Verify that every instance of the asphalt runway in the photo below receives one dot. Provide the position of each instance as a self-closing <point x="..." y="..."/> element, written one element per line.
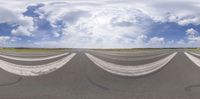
<point x="30" y="54"/>
<point x="136" y="60"/>
<point x="137" y="53"/>
<point x="80" y="78"/>
<point x="32" y="63"/>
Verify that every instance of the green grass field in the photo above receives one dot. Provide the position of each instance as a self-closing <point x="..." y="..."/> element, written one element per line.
<point x="145" y="49"/>
<point x="129" y="49"/>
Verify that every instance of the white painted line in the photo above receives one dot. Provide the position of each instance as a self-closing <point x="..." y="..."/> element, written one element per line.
<point x="33" y="59"/>
<point x="193" y="58"/>
<point x="35" y="70"/>
<point x="131" y="70"/>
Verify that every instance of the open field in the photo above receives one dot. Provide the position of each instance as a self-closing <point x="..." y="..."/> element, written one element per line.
<point x="101" y="74"/>
<point x="140" y="49"/>
<point x="129" y="49"/>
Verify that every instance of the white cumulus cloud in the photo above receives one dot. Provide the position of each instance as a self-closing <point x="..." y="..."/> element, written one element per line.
<point x="4" y="38"/>
<point x="14" y="17"/>
<point x="156" y="42"/>
<point x="102" y="26"/>
<point x="102" y="23"/>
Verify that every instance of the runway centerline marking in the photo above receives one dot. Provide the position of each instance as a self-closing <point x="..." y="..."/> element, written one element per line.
<point x="137" y="70"/>
<point x="25" y="70"/>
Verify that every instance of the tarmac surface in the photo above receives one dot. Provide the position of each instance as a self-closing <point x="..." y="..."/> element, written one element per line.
<point x="80" y="78"/>
<point x="32" y="63"/>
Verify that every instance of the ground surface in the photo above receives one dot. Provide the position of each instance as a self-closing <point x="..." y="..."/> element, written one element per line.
<point x="80" y="78"/>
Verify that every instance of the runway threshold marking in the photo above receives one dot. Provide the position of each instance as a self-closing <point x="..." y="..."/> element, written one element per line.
<point x="193" y="58"/>
<point x="33" y="59"/>
<point x="137" y="70"/>
<point x="37" y="70"/>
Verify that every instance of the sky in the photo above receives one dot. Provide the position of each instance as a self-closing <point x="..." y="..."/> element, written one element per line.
<point x="100" y="23"/>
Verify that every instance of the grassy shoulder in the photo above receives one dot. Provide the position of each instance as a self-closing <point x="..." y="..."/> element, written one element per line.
<point x="146" y="49"/>
<point x="192" y="49"/>
<point x="129" y="49"/>
<point x="31" y="49"/>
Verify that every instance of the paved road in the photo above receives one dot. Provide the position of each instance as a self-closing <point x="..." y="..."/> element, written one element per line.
<point x="82" y="79"/>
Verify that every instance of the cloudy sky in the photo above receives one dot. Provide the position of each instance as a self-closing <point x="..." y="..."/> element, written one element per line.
<point x="100" y="23"/>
